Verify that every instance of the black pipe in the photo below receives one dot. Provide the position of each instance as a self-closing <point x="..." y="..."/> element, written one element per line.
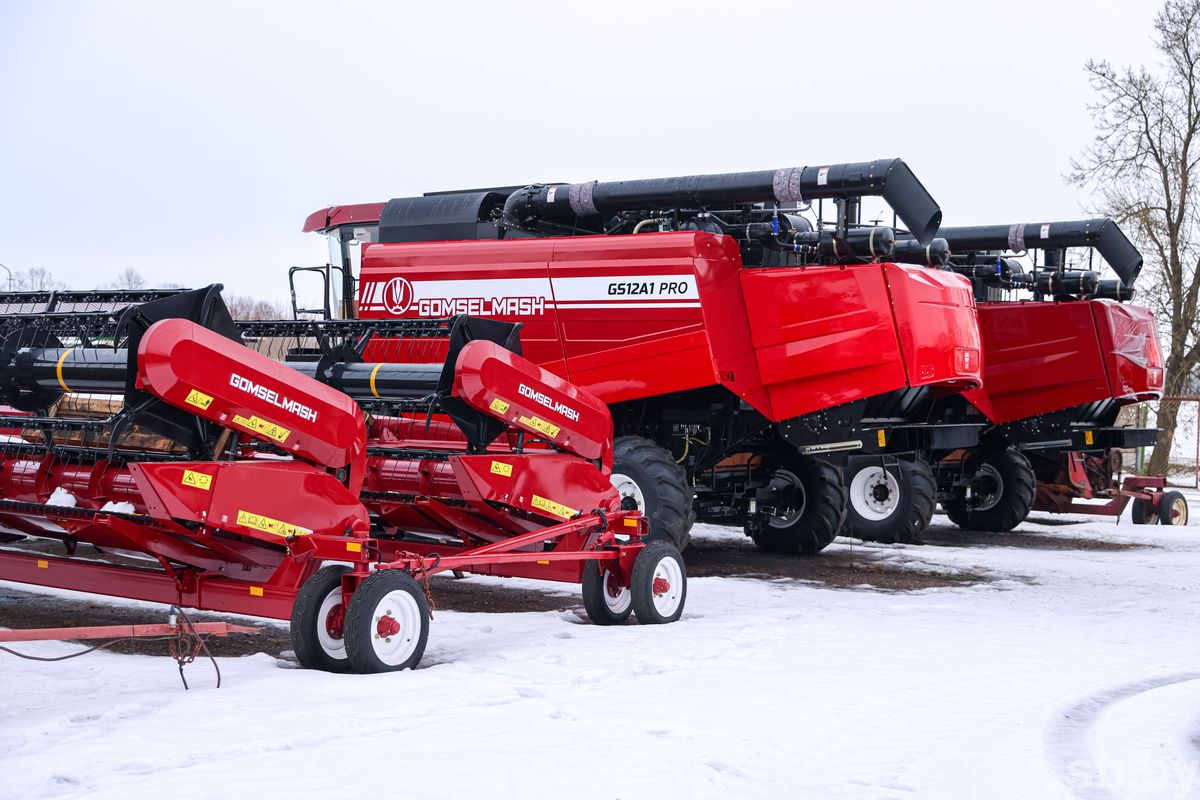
<point x="910" y="251"/>
<point x="889" y="178"/>
<point x="1103" y="234"/>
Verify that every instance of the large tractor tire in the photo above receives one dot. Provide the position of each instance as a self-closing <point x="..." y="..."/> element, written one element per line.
<point x="1003" y="486"/>
<point x="814" y="513"/>
<point x="889" y="503"/>
<point x="647" y="477"/>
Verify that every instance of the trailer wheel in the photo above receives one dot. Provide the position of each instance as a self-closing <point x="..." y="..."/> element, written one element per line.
<point x="318" y="622"/>
<point x="646" y="474"/>
<point x="387" y="623"/>
<point x="1172" y="509"/>
<point x="605" y="601"/>
<point x="1003" y="485"/>
<point x="658" y="585"/>
<point x="889" y="504"/>
<point x="813" y="518"/>
<point x="1140" y="514"/>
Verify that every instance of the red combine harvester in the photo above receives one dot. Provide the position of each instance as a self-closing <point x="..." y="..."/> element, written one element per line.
<point x="1057" y="370"/>
<point x="750" y="352"/>
<point x="176" y="464"/>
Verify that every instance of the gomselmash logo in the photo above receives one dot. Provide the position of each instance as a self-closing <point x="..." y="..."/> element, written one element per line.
<point x="271" y="396"/>
<point x="549" y="402"/>
<point x="398" y="297"/>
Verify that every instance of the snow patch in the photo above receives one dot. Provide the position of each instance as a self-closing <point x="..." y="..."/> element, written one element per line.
<point x="61" y="497"/>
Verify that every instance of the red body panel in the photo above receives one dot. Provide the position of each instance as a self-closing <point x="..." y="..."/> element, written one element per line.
<point x="638" y="316"/>
<point x="1046" y="356"/>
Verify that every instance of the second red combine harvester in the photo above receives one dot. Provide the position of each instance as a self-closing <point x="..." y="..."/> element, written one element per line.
<point x="763" y="366"/>
<point x="172" y="463"/>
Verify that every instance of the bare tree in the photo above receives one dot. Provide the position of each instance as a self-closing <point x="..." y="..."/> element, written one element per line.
<point x="129" y="278"/>
<point x="242" y="307"/>
<point x="35" y="280"/>
<point x="1143" y="164"/>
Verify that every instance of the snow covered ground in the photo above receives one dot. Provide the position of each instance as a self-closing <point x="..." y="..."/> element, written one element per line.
<point x="1069" y="674"/>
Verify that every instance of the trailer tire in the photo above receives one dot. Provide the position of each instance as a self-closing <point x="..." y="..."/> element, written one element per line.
<point x="604" y="602"/>
<point x="1170" y="504"/>
<point x="387" y="623"/>
<point x="1010" y="472"/>
<point x="647" y="473"/>
<point x="316" y="620"/>
<point x="821" y="519"/>
<point x="1139" y="514"/>
<point x="658" y="583"/>
<point x="890" y="503"/>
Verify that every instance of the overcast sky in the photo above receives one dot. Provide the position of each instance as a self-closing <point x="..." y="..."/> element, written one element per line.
<point x="190" y="141"/>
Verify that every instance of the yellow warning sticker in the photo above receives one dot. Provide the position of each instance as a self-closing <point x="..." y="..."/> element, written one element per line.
<point x="199" y="480"/>
<point x="256" y="591"/>
<point x="267" y="525"/>
<point x="500" y="468"/>
<point x="882" y="436"/>
<point x="353" y="547"/>
<point x="557" y="509"/>
<point x="1088" y="437"/>
<point x="499" y="406"/>
<point x="198" y="399"/>
<point x="268" y="429"/>
<point x="43" y="564"/>
<point x="538" y="424"/>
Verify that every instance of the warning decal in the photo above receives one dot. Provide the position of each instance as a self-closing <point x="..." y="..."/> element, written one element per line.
<point x="268" y="429"/>
<point x="539" y="424"/>
<point x="198" y="399"/>
<point x="200" y="480"/>
<point x="500" y="468"/>
<point x="557" y="509"/>
<point x="267" y="525"/>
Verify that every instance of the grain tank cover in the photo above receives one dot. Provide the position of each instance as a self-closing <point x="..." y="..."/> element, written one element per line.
<point x="443" y="217"/>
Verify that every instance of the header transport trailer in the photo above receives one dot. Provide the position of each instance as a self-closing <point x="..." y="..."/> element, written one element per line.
<point x="155" y="455"/>
<point x="1063" y="351"/>
<point x="764" y="365"/>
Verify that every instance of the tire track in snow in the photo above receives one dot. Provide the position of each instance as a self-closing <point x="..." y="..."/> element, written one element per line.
<point x="1068" y="739"/>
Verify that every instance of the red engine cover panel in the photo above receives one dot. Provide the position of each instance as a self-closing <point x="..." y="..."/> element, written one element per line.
<point x="1038" y="357"/>
<point x="1129" y="340"/>
<point x="210" y="376"/>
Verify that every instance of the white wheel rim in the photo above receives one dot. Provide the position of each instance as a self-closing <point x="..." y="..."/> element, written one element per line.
<point x="401" y="608"/>
<point x="667" y="601"/>
<point x="627" y="487"/>
<point x="990" y="500"/>
<point x="617" y="602"/>
<point x="1179" y="505"/>
<point x="334" y="647"/>
<point x="864" y="487"/>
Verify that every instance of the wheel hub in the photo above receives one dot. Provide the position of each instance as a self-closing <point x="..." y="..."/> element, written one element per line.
<point x="874" y="493"/>
<point x="661" y="586"/>
<point x="335" y="621"/>
<point x="387" y="626"/>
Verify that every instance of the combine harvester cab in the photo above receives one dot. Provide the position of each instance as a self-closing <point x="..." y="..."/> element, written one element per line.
<point x="762" y="360"/>
<point x="1058" y="368"/>
<point x="176" y="464"/>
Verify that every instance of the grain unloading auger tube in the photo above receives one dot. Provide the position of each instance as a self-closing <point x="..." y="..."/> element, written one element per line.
<point x="232" y="477"/>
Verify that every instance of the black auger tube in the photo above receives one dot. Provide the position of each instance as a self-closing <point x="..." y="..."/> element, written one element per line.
<point x="1103" y="234"/>
<point x="888" y="178"/>
<point x="370" y="380"/>
<point x="84" y="370"/>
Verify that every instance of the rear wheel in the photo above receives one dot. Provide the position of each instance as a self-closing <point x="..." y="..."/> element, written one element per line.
<point x="318" y="622"/>
<point x="891" y="503"/>
<point x="387" y="623"/>
<point x="808" y="512"/>
<point x="648" y="479"/>
<point x="1173" y="509"/>
<point x="1001" y="493"/>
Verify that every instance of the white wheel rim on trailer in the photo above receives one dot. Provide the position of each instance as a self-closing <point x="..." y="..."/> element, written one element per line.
<point x="333" y="647"/>
<point x="617" y="603"/>
<point x="862" y="488"/>
<point x="668" y="602"/>
<point x="401" y="607"/>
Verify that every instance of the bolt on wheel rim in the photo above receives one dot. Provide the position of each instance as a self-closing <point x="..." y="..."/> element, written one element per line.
<point x="395" y="627"/>
<point x="874" y="493"/>
<point x="627" y="487"/>
<point x="668" y="577"/>
<point x="330" y="618"/>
